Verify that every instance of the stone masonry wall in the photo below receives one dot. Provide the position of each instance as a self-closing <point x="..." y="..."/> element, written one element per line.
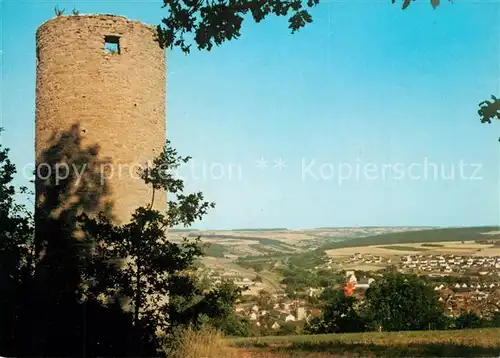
<point x="117" y="99"/>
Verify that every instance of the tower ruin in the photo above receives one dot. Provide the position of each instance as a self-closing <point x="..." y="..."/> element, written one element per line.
<point x="102" y="78"/>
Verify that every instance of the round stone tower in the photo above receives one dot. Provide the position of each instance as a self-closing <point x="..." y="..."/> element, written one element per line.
<point x="101" y="81"/>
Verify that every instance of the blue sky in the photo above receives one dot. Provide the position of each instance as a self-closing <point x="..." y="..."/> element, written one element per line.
<point x="365" y="85"/>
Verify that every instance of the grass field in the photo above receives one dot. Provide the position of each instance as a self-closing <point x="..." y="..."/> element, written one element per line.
<point x="462" y="343"/>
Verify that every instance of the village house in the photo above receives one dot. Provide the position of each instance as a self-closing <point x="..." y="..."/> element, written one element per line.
<point x="364" y="283"/>
<point x="290" y="318"/>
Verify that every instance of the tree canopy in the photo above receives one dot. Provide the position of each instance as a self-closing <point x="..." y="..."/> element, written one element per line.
<point x="339" y="315"/>
<point x="81" y="278"/>
<point x="206" y="24"/>
<point x="209" y="23"/>
<point x="403" y="302"/>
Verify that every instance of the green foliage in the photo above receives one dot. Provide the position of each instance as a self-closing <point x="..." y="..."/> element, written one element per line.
<point x="449" y="279"/>
<point x="186" y="209"/>
<point x="261" y="262"/>
<point x="396" y="302"/>
<point x="299" y="279"/>
<point x="151" y="264"/>
<point x="289" y="329"/>
<point x="308" y="259"/>
<point x="469" y="320"/>
<point x="489" y="110"/>
<point x="93" y="281"/>
<point x="16" y="250"/>
<point x="403" y="302"/>
<point x="233" y="325"/>
<point x="257" y="266"/>
<point x="16" y="227"/>
<point x="493" y="321"/>
<point x="339" y="316"/>
<point x="214" y="250"/>
<point x="264" y="300"/>
<point x="209" y="24"/>
<point x="213" y="23"/>
<point x="189" y="307"/>
<point x="329" y="294"/>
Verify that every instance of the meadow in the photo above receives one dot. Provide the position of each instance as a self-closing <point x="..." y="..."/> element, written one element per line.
<point x="460" y="343"/>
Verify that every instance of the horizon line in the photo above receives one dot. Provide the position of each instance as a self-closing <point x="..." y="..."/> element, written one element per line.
<point x="341" y="227"/>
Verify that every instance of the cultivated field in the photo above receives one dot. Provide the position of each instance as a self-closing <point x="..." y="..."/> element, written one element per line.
<point x="227" y="249"/>
<point x="269" y="281"/>
<point x="245" y="242"/>
<point x="468" y="248"/>
<point x="339" y="242"/>
<point x="462" y="343"/>
<point x="421" y="236"/>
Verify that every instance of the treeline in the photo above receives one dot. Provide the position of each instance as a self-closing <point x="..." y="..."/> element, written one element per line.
<point x="409" y="237"/>
<point x="261" y="262"/>
<point x="299" y="280"/>
<point x="308" y="260"/>
<point x="495" y="241"/>
<point x="215" y="250"/>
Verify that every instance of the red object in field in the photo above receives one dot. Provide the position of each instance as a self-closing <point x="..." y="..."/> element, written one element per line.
<point x="349" y="288"/>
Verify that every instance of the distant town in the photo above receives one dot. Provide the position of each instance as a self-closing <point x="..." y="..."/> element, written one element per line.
<point x="283" y="288"/>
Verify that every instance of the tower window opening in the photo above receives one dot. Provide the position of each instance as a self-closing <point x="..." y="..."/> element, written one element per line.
<point x="112" y="44"/>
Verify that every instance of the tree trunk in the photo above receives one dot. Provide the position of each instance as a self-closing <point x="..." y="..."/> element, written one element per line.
<point x="137" y="303"/>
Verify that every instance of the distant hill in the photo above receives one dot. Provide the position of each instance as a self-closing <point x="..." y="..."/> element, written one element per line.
<point x="409" y="237"/>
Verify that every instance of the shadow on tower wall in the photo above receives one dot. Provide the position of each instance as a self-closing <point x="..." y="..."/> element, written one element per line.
<point x="59" y="316"/>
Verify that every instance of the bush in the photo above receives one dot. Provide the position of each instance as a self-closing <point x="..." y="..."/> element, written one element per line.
<point x="339" y="316"/>
<point x="468" y="320"/>
<point x="403" y="303"/>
